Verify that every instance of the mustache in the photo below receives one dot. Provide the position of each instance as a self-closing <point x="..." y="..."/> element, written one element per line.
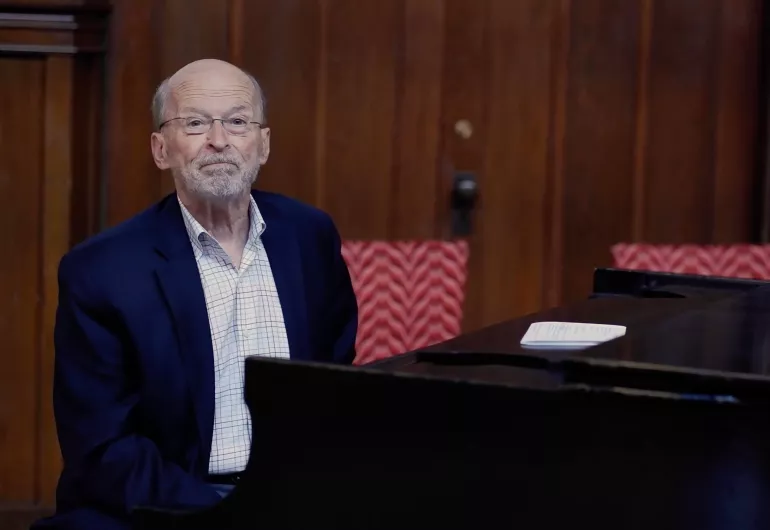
<point x="216" y="158"/>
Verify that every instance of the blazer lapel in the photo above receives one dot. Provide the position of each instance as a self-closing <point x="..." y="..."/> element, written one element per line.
<point x="283" y="251"/>
<point x="181" y="285"/>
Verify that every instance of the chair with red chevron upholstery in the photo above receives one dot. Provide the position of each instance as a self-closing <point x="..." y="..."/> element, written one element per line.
<point x="732" y="261"/>
<point x="410" y="294"/>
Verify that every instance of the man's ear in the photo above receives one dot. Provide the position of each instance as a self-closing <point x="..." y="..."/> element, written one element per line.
<point x="158" y="147"/>
<point x="264" y="152"/>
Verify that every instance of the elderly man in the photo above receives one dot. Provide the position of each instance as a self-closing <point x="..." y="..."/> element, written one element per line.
<point x="157" y="315"/>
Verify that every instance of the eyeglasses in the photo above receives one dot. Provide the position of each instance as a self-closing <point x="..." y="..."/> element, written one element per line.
<point x="197" y="125"/>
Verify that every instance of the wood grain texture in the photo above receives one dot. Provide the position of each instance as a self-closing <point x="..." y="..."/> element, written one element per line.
<point x="418" y="206"/>
<point x="22" y="153"/>
<point x="513" y="179"/>
<point x="50" y="178"/>
<point x="360" y="100"/>
<point x="291" y="79"/>
<point x="55" y="242"/>
<point x="599" y="136"/>
<point x="682" y="118"/>
<point x="553" y="212"/>
<point x="132" y="179"/>
<point x="89" y="186"/>
<point x="642" y="115"/>
<point x="737" y="123"/>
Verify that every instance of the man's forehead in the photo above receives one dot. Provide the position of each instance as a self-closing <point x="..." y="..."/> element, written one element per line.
<point x="213" y="106"/>
<point x="212" y="87"/>
<point x="191" y="107"/>
<point x="207" y="99"/>
<point x="210" y="72"/>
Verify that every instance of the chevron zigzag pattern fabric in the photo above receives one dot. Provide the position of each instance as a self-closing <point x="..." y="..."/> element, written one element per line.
<point x="410" y="294"/>
<point x="731" y="261"/>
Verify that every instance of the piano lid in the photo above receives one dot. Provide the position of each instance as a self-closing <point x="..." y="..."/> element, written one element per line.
<point x="710" y="343"/>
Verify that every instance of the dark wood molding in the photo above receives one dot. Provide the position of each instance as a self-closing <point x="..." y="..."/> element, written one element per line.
<point x="52" y="33"/>
<point x="71" y="6"/>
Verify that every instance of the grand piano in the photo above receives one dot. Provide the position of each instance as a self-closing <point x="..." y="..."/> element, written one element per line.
<point x="665" y="427"/>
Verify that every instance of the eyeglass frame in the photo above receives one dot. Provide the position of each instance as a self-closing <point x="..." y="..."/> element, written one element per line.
<point x="260" y="125"/>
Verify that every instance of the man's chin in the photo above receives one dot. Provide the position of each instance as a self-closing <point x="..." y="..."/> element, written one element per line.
<point x="222" y="194"/>
<point x="220" y="187"/>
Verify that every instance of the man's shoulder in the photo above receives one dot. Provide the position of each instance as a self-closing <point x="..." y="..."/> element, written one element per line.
<point x="117" y="245"/>
<point x="276" y="205"/>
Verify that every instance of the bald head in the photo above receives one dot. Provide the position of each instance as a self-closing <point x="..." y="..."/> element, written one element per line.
<point x="215" y="75"/>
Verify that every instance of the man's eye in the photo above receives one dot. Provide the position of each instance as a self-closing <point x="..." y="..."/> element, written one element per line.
<point x="195" y="123"/>
<point x="238" y="121"/>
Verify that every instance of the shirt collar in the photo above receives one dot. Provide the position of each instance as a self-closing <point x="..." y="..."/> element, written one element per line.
<point x="198" y="234"/>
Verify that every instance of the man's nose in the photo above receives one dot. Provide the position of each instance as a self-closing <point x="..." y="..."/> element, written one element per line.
<point x="218" y="137"/>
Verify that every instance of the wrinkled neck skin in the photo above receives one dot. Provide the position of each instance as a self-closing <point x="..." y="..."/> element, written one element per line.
<point x="226" y="219"/>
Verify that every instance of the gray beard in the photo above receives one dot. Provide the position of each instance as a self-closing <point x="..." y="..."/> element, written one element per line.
<point x="220" y="184"/>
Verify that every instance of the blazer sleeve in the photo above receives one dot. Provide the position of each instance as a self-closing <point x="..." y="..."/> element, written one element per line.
<point x="95" y="397"/>
<point x="343" y="304"/>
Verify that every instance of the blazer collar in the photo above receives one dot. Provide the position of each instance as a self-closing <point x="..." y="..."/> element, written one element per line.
<point x="181" y="286"/>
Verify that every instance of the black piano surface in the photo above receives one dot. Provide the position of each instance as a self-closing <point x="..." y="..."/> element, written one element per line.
<point x="665" y="427"/>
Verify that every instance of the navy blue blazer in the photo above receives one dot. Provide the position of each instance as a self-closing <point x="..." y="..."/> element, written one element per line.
<point x="134" y="371"/>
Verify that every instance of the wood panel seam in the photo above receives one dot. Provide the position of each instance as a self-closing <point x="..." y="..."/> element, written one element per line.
<point x="716" y="113"/>
<point x="320" y="107"/>
<point x="642" y="99"/>
<point x="235" y="31"/>
<point x="559" y="83"/>
<point x="39" y="316"/>
<point x="399" y="44"/>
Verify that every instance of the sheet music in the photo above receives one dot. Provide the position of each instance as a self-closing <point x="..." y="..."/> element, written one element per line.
<point x="569" y="334"/>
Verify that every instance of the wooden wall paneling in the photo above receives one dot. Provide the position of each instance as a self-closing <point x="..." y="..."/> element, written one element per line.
<point x="283" y="45"/>
<point x="602" y="83"/>
<point x="56" y="188"/>
<point x="132" y="179"/>
<point x="50" y="67"/>
<point x="362" y="44"/>
<point x="642" y="118"/>
<point x="235" y="30"/>
<point x="511" y="221"/>
<point x="466" y="56"/>
<point x="553" y="210"/>
<point x="679" y="177"/>
<point x="188" y="30"/>
<point x="21" y="184"/>
<point x="736" y="168"/>
<point x="762" y="201"/>
<point x="87" y="161"/>
<point x="419" y="202"/>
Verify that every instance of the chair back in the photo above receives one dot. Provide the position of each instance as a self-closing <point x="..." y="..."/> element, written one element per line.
<point x="731" y="261"/>
<point x="410" y="294"/>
